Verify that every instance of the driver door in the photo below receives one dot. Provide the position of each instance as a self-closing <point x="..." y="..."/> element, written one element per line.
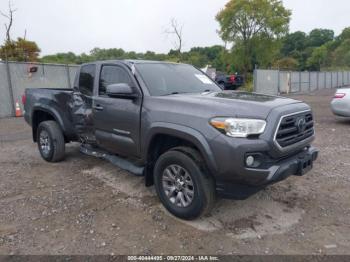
<point x="117" y="120"/>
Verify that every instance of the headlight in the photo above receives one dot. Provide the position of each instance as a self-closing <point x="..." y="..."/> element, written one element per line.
<point x="239" y="127"/>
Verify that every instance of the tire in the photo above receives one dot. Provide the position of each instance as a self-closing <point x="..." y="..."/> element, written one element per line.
<point x="50" y="141"/>
<point x="202" y="198"/>
<point x="222" y="85"/>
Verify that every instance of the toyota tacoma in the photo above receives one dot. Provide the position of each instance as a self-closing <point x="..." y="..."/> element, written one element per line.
<point x="176" y="127"/>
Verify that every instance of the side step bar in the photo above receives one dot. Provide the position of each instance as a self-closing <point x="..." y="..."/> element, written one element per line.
<point x="114" y="159"/>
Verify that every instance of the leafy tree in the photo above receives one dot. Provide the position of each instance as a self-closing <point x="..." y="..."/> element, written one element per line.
<point x="294" y="51"/>
<point x="209" y="52"/>
<point x="345" y="34"/>
<point x="341" y="55"/>
<point x="202" y="56"/>
<point x="318" y="37"/>
<point x="317" y="58"/>
<point x="61" y="58"/>
<point x="302" y="47"/>
<point x="131" y="55"/>
<point x="286" y="63"/>
<point x="149" y="55"/>
<point x="107" y="54"/>
<point x="294" y="43"/>
<point x="266" y="50"/>
<point x="20" y="50"/>
<point x="244" y="21"/>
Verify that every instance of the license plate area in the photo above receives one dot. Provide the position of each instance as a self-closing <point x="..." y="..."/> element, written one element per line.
<point x="305" y="164"/>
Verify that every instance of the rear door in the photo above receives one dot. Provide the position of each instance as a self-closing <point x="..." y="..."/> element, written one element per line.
<point x="117" y="120"/>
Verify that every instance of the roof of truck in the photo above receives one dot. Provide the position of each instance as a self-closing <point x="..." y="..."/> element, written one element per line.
<point x="131" y="61"/>
<point x="136" y="61"/>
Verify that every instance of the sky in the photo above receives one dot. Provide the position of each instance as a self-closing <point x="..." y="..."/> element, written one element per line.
<point x="139" y="25"/>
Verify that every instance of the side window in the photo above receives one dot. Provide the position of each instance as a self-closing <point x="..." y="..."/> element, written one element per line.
<point x="112" y="75"/>
<point x="86" y="79"/>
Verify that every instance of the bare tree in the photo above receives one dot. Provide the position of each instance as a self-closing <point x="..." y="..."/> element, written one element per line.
<point x="8" y="25"/>
<point x="176" y="29"/>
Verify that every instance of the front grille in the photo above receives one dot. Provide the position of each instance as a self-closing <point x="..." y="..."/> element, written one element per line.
<point x="295" y="128"/>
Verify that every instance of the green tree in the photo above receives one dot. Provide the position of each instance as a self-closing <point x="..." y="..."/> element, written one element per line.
<point x="294" y="46"/>
<point x="301" y="47"/>
<point x="20" y="50"/>
<point x="319" y="37"/>
<point x="195" y="58"/>
<point x="107" y="54"/>
<point x="286" y="63"/>
<point x="61" y="58"/>
<point x="345" y="34"/>
<point x="294" y="43"/>
<point x="317" y="58"/>
<point x="265" y="50"/>
<point x="244" y="21"/>
<point x="202" y="56"/>
<point x="341" y="55"/>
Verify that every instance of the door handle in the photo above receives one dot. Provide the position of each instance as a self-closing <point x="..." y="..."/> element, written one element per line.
<point x="98" y="107"/>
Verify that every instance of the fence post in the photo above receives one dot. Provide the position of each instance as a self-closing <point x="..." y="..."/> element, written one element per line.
<point x="309" y="81"/>
<point x="9" y="82"/>
<point x="331" y="80"/>
<point x="289" y="83"/>
<point x="299" y="81"/>
<point x="254" y="80"/>
<point x="68" y="77"/>
<point x="317" y="80"/>
<point x="337" y="79"/>
<point x="279" y="83"/>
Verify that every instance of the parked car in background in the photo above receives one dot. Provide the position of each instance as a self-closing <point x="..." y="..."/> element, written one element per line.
<point x="229" y="82"/>
<point x="341" y="102"/>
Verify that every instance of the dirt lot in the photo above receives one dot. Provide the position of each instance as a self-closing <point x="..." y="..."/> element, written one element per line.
<point x="87" y="206"/>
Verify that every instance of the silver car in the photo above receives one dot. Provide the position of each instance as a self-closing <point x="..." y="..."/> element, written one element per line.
<point x="341" y="102"/>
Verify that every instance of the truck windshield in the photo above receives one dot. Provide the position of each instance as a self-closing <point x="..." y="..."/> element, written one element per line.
<point x="167" y="79"/>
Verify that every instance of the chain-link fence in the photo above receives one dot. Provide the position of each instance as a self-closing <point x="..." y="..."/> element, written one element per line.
<point x="15" y="77"/>
<point x="276" y="82"/>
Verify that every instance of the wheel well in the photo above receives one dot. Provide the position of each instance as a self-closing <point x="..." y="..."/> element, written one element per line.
<point x="38" y="117"/>
<point x="159" y="145"/>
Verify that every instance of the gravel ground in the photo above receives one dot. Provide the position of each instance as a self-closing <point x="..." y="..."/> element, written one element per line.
<point x="87" y="206"/>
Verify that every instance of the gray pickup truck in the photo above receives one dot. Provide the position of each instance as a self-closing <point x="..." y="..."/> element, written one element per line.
<point x="175" y="126"/>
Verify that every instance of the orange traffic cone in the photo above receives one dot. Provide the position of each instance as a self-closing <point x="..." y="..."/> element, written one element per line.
<point x="18" y="110"/>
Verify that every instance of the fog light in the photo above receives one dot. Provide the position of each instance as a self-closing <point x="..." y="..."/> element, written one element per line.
<point x="249" y="160"/>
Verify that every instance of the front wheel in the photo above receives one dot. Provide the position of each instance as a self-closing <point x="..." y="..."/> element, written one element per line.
<point x="182" y="184"/>
<point x="50" y="141"/>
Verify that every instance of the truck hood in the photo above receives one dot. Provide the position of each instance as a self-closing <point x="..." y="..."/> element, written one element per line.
<point x="230" y="103"/>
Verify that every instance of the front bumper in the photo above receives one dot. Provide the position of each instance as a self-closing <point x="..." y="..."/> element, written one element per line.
<point x="298" y="164"/>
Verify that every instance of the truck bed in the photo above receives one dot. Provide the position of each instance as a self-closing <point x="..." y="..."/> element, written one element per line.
<point x="57" y="101"/>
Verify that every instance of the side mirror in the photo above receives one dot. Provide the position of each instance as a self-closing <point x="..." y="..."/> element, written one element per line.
<point x="121" y="90"/>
